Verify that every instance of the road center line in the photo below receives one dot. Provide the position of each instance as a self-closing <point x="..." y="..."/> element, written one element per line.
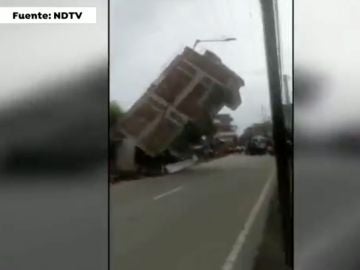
<point x="168" y="193"/>
<point x="240" y="240"/>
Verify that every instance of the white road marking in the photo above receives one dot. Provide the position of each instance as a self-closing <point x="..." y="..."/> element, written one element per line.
<point x="168" y="193"/>
<point x="240" y="240"/>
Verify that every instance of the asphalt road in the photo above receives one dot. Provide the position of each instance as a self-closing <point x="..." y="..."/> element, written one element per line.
<point x="327" y="215"/>
<point x="188" y="220"/>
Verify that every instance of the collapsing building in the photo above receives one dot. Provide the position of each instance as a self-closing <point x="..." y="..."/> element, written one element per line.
<point x="193" y="87"/>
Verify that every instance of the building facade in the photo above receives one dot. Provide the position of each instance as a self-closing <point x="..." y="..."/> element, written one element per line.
<point x="193" y="87"/>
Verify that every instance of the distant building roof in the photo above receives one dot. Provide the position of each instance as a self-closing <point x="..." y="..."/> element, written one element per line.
<point x="224" y="118"/>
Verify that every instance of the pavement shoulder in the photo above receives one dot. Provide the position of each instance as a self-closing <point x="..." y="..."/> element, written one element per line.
<point x="271" y="250"/>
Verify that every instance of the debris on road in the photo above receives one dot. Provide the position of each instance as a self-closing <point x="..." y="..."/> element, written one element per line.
<point x="178" y="166"/>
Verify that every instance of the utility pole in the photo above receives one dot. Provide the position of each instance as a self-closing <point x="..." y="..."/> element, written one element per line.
<point x="279" y="130"/>
<point x="286" y="89"/>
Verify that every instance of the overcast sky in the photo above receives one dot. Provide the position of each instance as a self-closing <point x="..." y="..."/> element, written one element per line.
<point x="146" y="35"/>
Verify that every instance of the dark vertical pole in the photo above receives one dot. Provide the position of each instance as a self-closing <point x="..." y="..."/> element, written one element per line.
<point x="286" y="89"/>
<point x="279" y="131"/>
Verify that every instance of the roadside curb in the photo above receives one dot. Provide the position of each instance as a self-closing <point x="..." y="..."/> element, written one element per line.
<point x="246" y="246"/>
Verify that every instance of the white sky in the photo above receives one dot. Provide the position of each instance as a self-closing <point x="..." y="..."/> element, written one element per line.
<point x="146" y="35"/>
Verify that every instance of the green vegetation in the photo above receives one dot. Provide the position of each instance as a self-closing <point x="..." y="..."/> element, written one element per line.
<point x="116" y="112"/>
